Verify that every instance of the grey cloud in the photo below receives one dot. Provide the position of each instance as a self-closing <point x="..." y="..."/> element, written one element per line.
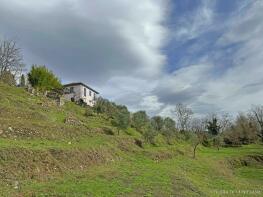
<point x="80" y="41"/>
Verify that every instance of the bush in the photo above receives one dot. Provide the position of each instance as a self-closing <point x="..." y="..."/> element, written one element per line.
<point x="89" y="112"/>
<point x="150" y="134"/>
<point x="43" y="79"/>
<point x="139" y="120"/>
<point x="8" y="78"/>
<point x="108" y="131"/>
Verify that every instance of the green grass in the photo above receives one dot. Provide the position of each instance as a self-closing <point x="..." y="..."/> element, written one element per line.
<point x="48" y="157"/>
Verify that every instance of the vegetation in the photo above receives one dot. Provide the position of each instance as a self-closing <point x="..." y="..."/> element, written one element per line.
<point x="47" y="150"/>
<point x="72" y="150"/>
<point x="11" y="64"/>
<point x="43" y="79"/>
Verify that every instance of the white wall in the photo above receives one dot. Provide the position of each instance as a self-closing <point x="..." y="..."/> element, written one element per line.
<point x="79" y="94"/>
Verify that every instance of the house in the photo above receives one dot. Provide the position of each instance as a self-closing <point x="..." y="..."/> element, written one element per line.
<point x="80" y="92"/>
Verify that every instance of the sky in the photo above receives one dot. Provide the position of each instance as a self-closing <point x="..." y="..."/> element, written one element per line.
<point x="150" y="54"/>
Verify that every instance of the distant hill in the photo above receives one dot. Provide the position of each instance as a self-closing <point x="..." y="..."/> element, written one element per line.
<point x="47" y="150"/>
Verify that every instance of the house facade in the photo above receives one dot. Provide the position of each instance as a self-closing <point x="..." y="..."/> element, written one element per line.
<point x="80" y="92"/>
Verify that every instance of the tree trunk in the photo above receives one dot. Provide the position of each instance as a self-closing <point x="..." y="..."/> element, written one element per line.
<point x="195" y="149"/>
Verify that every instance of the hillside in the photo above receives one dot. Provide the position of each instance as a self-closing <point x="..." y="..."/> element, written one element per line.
<point x="46" y="150"/>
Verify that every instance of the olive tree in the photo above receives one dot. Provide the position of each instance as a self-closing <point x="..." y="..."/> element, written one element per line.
<point x="139" y="120"/>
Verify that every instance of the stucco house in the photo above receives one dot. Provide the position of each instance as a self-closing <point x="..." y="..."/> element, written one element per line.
<point x="80" y="91"/>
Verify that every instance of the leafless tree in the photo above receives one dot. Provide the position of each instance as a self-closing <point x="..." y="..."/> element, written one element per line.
<point x="183" y="114"/>
<point x="257" y="112"/>
<point x="10" y="58"/>
<point x="198" y="125"/>
<point x="225" y="122"/>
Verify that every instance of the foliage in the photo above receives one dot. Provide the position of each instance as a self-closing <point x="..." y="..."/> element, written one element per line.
<point x="139" y="120"/>
<point x="168" y="129"/>
<point x="22" y="81"/>
<point x="243" y="131"/>
<point x="121" y="118"/>
<point x="213" y="126"/>
<point x="150" y="133"/>
<point x="157" y="123"/>
<point x="43" y="79"/>
<point x="89" y="111"/>
<point x="8" y="78"/>
<point x="104" y="106"/>
<point x="257" y="114"/>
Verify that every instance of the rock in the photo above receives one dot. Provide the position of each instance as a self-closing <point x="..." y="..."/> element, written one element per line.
<point x="73" y="121"/>
<point x="16" y="185"/>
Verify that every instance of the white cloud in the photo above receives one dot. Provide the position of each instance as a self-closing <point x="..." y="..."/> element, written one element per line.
<point x="238" y="86"/>
<point x="117" y="46"/>
<point x="193" y="24"/>
<point x="98" y="40"/>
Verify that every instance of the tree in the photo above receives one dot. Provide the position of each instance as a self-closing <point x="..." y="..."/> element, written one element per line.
<point x="198" y="139"/>
<point x="121" y="119"/>
<point x="257" y="112"/>
<point x="198" y="125"/>
<point x="213" y="126"/>
<point x="168" y="129"/>
<point x="224" y="122"/>
<point x="22" y="81"/>
<point x="139" y="120"/>
<point x="157" y="123"/>
<point x="10" y="58"/>
<point x="43" y="79"/>
<point x="150" y="133"/>
<point x="243" y="131"/>
<point x="183" y="114"/>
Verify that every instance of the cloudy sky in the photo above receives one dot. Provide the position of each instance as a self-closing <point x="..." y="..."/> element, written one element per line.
<point x="147" y="54"/>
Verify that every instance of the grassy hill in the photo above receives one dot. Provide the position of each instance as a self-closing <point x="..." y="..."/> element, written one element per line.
<point x="46" y="150"/>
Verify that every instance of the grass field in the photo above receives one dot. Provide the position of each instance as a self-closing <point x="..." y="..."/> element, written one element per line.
<point x="41" y="155"/>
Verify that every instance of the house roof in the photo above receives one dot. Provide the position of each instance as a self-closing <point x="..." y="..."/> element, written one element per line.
<point x="79" y="83"/>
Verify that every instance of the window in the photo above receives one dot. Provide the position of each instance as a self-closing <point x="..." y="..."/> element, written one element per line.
<point x="71" y="90"/>
<point x="90" y="93"/>
<point x="85" y="92"/>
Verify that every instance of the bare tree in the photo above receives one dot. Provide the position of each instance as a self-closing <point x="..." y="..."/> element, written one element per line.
<point x="257" y="112"/>
<point x="10" y="58"/>
<point x="198" y="125"/>
<point x="225" y="122"/>
<point x="183" y="114"/>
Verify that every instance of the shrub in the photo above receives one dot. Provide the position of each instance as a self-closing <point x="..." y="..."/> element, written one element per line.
<point x="22" y="81"/>
<point x="43" y="79"/>
<point x="139" y="120"/>
<point x="149" y="134"/>
<point x="108" y="131"/>
<point x="89" y="112"/>
<point x="8" y="78"/>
